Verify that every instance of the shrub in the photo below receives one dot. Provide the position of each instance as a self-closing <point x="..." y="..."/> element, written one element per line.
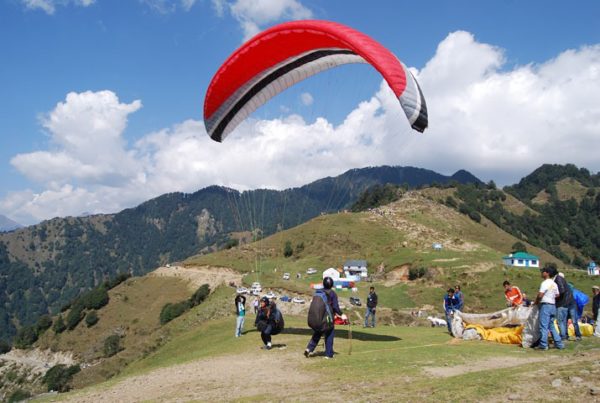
<point x="171" y="311"/>
<point x="59" y="325"/>
<point x="4" y="347"/>
<point x="26" y="336"/>
<point x="231" y="243"/>
<point x="19" y="395"/>
<point x="74" y="317"/>
<point x="200" y="295"/>
<point x="95" y="299"/>
<point x="287" y="250"/>
<point x="112" y="283"/>
<point x="417" y="272"/>
<point x="91" y="318"/>
<point x="43" y="323"/>
<point x="58" y="377"/>
<point x="112" y="345"/>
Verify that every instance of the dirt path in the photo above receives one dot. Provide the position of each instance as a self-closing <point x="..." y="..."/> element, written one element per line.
<point x="220" y="378"/>
<point x="483" y="365"/>
<point x="38" y="360"/>
<point x="198" y="275"/>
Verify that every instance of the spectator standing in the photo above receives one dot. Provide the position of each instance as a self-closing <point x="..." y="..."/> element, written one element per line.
<point x="563" y="302"/>
<point x="240" y="310"/>
<point x="460" y="297"/>
<point x="371" y="307"/>
<point x="546" y="300"/>
<point x="450" y="305"/>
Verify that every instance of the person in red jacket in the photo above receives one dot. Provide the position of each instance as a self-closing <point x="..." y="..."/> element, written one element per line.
<point x="513" y="295"/>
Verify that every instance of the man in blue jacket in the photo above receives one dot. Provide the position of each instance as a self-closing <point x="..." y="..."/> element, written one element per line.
<point x="451" y="304"/>
<point x="371" y="307"/>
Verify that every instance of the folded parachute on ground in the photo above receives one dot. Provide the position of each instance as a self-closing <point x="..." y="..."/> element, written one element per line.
<point x="290" y="52"/>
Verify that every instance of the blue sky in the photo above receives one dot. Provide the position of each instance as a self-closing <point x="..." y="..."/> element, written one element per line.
<point x="141" y="68"/>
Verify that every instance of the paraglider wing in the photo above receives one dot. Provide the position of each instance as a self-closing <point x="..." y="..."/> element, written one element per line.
<point x="288" y="53"/>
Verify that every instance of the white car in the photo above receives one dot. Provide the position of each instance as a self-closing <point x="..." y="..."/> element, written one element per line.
<point x="286" y="276"/>
<point x="255" y="292"/>
<point x="298" y="300"/>
<point x="242" y="290"/>
<point x="311" y="271"/>
<point x="271" y="295"/>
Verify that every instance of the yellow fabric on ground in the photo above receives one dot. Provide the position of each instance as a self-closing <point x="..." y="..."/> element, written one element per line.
<point x="585" y="328"/>
<point x="505" y="335"/>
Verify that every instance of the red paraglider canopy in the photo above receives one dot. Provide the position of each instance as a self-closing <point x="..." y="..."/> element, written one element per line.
<point x="290" y="52"/>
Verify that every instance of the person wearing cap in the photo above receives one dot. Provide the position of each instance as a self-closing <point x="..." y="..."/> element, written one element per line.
<point x="546" y="300"/>
<point x="595" y="306"/>
<point x="332" y="301"/>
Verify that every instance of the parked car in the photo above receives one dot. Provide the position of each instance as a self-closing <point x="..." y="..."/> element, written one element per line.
<point x="242" y="290"/>
<point x="355" y="301"/>
<point x="298" y="300"/>
<point x="285" y="298"/>
<point x="311" y="271"/>
<point x="255" y="292"/>
<point x="286" y="276"/>
<point x="271" y="295"/>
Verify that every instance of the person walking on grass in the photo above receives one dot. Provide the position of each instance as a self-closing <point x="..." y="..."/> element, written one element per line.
<point x="240" y="310"/>
<point x="371" y="307"/>
<point x="546" y="300"/>
<point x="321" y="318"/>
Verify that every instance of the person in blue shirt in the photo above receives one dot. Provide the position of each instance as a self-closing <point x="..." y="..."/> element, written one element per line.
<point x="460" y="297"/>
<point x="450" y="305"/>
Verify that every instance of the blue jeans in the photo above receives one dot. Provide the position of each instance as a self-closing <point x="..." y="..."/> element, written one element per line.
<point x="312" y="344"/>
<point x="239" y="325"/>
<point x="561" y="318"/>
<point x="547" y="315"/>
<point x="449" y="321"/>
<point x="371" y="313"/>
<point x="574" y="315"/>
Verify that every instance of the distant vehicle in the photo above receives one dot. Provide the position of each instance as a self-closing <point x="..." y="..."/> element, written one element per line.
<point x="311" y="271"/>
<point x="255" y="292"/>
<point x="286" y="276"/>
<point x="285" y="298"/>
<point x="271" y="295"/>
<point x="256" y="287"/>
<point x="355" y="301"/>
<point x="298" y="300"/>
<point x="242" y="290"/>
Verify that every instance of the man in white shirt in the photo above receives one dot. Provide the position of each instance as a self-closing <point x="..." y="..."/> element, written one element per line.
<point x="546" y="300"/>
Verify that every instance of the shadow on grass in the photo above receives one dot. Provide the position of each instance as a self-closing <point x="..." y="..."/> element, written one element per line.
<point x="343" y="333"/>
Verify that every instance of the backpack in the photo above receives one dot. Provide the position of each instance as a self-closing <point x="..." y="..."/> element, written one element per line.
<point x="278" y="322"/>
<point x="320" y="317"/>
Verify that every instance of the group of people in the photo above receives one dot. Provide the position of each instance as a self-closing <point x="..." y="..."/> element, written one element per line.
<point x="269" y="320"/>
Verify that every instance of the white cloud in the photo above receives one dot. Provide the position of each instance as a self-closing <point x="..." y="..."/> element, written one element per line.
<point x="187" y="4"/>
<point x="254" y="15"/>
<point x="49" y="6"/>
<point x="499" y="123"/>
<point x="306" y="99"/>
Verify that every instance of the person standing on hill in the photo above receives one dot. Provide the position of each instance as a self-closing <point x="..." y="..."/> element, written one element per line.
<point x="563" y="301"/>
<point x="450" y="305"/>
<point x="324" y="327"/>
<point x="595" y="306"/>
<point x="546" y="300"/>
<point x="460" y="298"/>
<point x="240" y="310"/>
<point x="255" y="305"/>
<point x="371" y="307"/>
<point x="513" y="295"/>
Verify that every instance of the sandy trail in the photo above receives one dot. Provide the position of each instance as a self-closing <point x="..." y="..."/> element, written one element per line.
<point x="198" y="275"/>
<point x="483" y="365"/>
<point x="219" y="378"/>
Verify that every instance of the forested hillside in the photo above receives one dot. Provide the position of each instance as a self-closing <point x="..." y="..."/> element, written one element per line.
<point x="42" y="267"/>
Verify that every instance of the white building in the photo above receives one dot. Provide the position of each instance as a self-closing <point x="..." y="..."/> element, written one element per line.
<point x="331" y="272"/>
<point x="521" y="259"/>
<point x="356" y="269"/>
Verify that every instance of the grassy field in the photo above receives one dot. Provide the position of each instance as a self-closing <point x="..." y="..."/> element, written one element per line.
<point x="386" y="363"/>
